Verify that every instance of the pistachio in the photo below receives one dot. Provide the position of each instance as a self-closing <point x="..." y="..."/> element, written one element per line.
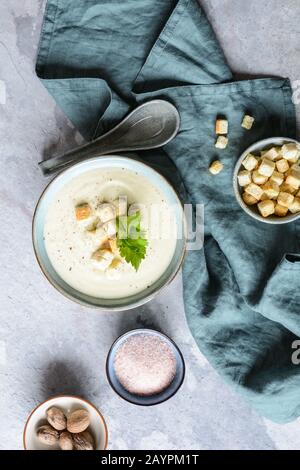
<point x="56" y="418"/>
<point x="83" y="441"/>
<point x="65" y="441"/>
<point x="47" y="435"/>
<point x="78" y="421"/>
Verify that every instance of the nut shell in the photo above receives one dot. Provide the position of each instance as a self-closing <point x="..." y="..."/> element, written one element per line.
<point x="65" y="441"/>
<point x="83" y="441"/>
<point x="56" y="418"/>
<point x="78" y="421"/>
<point x="47" y="435"/>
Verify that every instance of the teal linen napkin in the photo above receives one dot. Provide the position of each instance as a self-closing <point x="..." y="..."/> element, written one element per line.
<point x="98" y="59"/>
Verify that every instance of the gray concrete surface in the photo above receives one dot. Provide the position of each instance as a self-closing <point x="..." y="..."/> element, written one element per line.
<point x="49" y="345"/>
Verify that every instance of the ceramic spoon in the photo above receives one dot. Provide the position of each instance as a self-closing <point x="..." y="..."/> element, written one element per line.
<point x="149" y="126"/>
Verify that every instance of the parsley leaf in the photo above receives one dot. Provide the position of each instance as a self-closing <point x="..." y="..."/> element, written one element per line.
<point x="131" y="239"/>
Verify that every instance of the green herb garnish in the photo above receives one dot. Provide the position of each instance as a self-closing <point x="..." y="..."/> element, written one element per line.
<point x="131" y="239"/>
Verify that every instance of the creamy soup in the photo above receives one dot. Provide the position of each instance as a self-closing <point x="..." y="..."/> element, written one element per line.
<point x="75" y="233"/>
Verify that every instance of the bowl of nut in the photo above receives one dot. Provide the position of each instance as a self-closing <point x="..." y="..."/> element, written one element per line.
<point x="266" y="180"/>
<point x="65" y="423"/>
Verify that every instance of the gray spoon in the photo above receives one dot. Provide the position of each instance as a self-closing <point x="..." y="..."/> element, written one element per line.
<point x="149" y="126"/>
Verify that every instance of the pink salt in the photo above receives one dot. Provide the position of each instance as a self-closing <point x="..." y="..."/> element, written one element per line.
<point x="145" y="364"/>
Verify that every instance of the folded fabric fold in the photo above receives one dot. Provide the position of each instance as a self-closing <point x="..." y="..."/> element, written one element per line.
<point x="241" y="291"/>
<point x="280" y="298"/>
<point x="188" y="37"/>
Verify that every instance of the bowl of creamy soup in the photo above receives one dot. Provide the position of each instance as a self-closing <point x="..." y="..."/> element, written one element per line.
<point x="109" y="232"/>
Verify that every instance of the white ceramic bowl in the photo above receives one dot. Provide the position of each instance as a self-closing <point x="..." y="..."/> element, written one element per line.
<point x="111" y="161"/>
<point x="68" y="404"/>
<point x="252" y="210"/>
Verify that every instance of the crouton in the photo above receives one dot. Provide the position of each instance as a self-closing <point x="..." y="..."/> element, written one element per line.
<point x="285" y="199"/>
<point x="259" y="179"/>
<point x="102" y="259"/>
<point x="216" y="167"/>
<point x="267" y="167"/>
<point x="221" y="126"/>
<point x="266" y="208"/>
<point x="250" y="162"/>
<point x="221" y="142"/>
<point x="290" y="152"/>
<point x="248" y="122"/>
<point x="248" y="199"/>
<point x="277" y="178"/>
<point x="271" y="189"/>
<point x="244" y="178"/>
<point x="281" y="211"/>
<point x="293" y="178"/>
<point x="254" y="190"/>
<point x="282" y="166"/>
<point x="271" y="154"/>
<point x="295" y="206"/>
<point x="287" y="188"/>
<point x="83" y="211"/>
<point x="106" y="212"/>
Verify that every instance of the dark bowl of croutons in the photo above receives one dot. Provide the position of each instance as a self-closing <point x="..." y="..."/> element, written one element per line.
<point x="266" y="180"/>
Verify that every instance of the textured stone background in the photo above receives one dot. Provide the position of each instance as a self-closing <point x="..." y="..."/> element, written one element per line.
<point x="49" y="345"/>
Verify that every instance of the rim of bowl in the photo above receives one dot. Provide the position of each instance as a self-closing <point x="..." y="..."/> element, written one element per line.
<point x="253" y="148"/>
<point x="66" y="396"/>
<point x="168" y="339"/>
<point x="137" y="303"/>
